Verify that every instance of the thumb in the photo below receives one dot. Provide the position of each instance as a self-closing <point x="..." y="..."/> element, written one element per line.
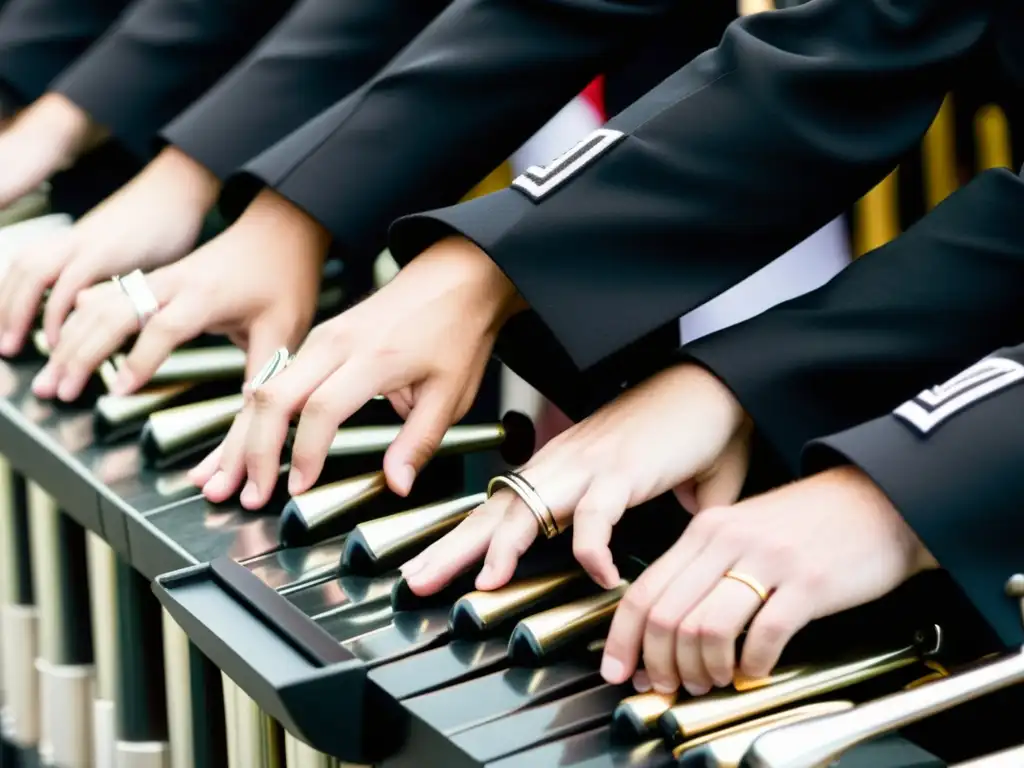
<point x="419" y="438"/>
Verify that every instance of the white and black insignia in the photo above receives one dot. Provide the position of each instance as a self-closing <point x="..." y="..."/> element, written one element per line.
<point x="536" y="181"/>
<point x="933" y="406"/>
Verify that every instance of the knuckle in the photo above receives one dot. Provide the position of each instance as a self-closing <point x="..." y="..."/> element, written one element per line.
<point x="318" y="406"/>
<point x="265" y="398"/>
<point x="772" y="631"/>
<point x="637" y="600"/>
<point x="168" y="325"/>
<point x="714" y="633"/>
<point x="662" y="623"/>
<point x="688" y="633"/>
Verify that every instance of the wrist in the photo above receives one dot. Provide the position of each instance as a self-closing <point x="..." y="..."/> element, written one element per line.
<point x="62" y="124"/>
<point x="180" y="172"/>
<point x="288" y="221"/>
<point x="473" y="268"/>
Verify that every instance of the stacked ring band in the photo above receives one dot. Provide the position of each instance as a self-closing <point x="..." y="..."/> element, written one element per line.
<point x="277" y="363"/>
<point x="749" y="581"/>
<point x="135" y="287"/>
<point x="521" y="488"/>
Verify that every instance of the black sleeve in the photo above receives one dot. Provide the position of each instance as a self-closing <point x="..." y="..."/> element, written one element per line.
<point x="446" y="111"/>
<point x="950" y="461"/>
<point x="160" y="57"/>
<point x="910" y="313"/>
<point x="321" y="52"/>
<point x="40" y="38"/>
<point x="717" y="171"/>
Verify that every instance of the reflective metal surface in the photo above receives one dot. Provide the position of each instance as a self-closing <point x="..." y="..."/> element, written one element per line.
<point x="260" y="740"/>
<point x="114" y="413"/>
<point x="1008" y="758"/>
<point x="636" y="717"/>
<point x="385" y="541"/>
<point x="170" y="431"/>
<point x="342" y="594"/>
<point x="544" y="633"/>
<point x="480" y="611"/>
<point x="726" y="748"/>
<point x="326" y="502"/>
<point x="718" y="710"/>
<point x="818" y="742"/>
<point x="199" y="364"/>
<point x="289" y="569"/>
<point x="208" y="531"/>
<point x="354" y="441"/>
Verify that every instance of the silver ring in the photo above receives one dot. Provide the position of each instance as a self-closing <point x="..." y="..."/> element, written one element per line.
<point x="135" y="287"/>
<point x="280" y="360"/>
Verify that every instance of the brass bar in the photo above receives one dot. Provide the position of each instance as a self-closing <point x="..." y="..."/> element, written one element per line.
<point x="478" y="612"/>
<point x="260" y="737"/>
<point x="876" y="216"/>
<point x="231" y="693"/>
<point x="169" y="431"/>
<point x="326" y="502"/>
<point x="636" y="717"/>
<point x="377" y="543"/>
<point x="938" y="156"/>
<point x="199" y="364"/>
<point x="1008" y="758"/>
<point x="725" y="749"/>
<point x="103" y="599"/>
<point x="992" y="138"/>
<point x="114" y="412"/>
<point x="708" y="713"/>
<point x="817" y="743"/>
<point x="750" y="7"/>
<point x="543" y="633"/>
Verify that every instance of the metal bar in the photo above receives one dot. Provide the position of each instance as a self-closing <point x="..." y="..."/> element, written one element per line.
<point x="103" y="597"/>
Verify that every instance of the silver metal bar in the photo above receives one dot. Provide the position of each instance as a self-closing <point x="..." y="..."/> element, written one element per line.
<point x="69" y="700"/>
<point x="1008" y="758"/>
<point x="231" y="719"/>
<point x="103" y="600"/>
<point x="20" y="718"/>
<point x="179" y="694"/>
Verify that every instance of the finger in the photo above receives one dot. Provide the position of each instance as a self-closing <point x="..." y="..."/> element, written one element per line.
<point x="513" y="535"/>
<point x="73" y="279"/>
<point x="601" y="507"/>
<point x="334" y="401"/>
<point x="165" y="331"/>
<point x="263" y="339"/>
<point x="669" y="622"/>
<point x="625" y="636"/>
<point x="402" y="408"/>
<point x="272" y="407"/>
<point x="686" y="667"/>
<point x="21" y="303"/>
<point x="421" y="435"/>
<point x="230" y="470"/>
<point x="724" y="614"/>
<point x="201" y="473"/>
<point x="436" y="566"/>
<point x="785" y="613"/>
<point x="98" y="331"/>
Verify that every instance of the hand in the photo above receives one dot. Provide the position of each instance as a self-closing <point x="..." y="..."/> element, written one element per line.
<point x="257" y="283"/>
<point x="423" y="340"/>
<point x="152" y="221"/>
<point x="680" y="429"/>
<point x="819" y="546"/>
<point x="45" y="138"/>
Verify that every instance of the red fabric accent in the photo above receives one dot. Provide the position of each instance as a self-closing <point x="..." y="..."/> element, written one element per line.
<point x="594" y="93"/>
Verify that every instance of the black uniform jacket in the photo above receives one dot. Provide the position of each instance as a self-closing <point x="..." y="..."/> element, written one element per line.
<point x="159" y="57"/>
<point x="40" y="38"/>
<point x="720" y="169"/>
<point x="451" y="107"/>
<point x="950" y="459"/>
<point x="322" y="51"/>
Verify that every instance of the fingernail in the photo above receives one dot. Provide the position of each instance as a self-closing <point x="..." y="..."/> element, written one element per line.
<point x="296" y="483"/>
<point x="215" y="485"/>
<point x="612" y="670"/>
<point x="411" y="568"/>
<point x="662" y="688"/>
<point x="692" y="688"/>
<point x="642" y="682"/>
<point x="250" y="494"/>
<point x="404" y="477"/>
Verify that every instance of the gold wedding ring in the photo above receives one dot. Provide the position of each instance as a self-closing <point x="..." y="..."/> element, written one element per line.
<point x="749" y="581"/>
<point x="135" y="287"/>
<point x="521" y="488"/>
